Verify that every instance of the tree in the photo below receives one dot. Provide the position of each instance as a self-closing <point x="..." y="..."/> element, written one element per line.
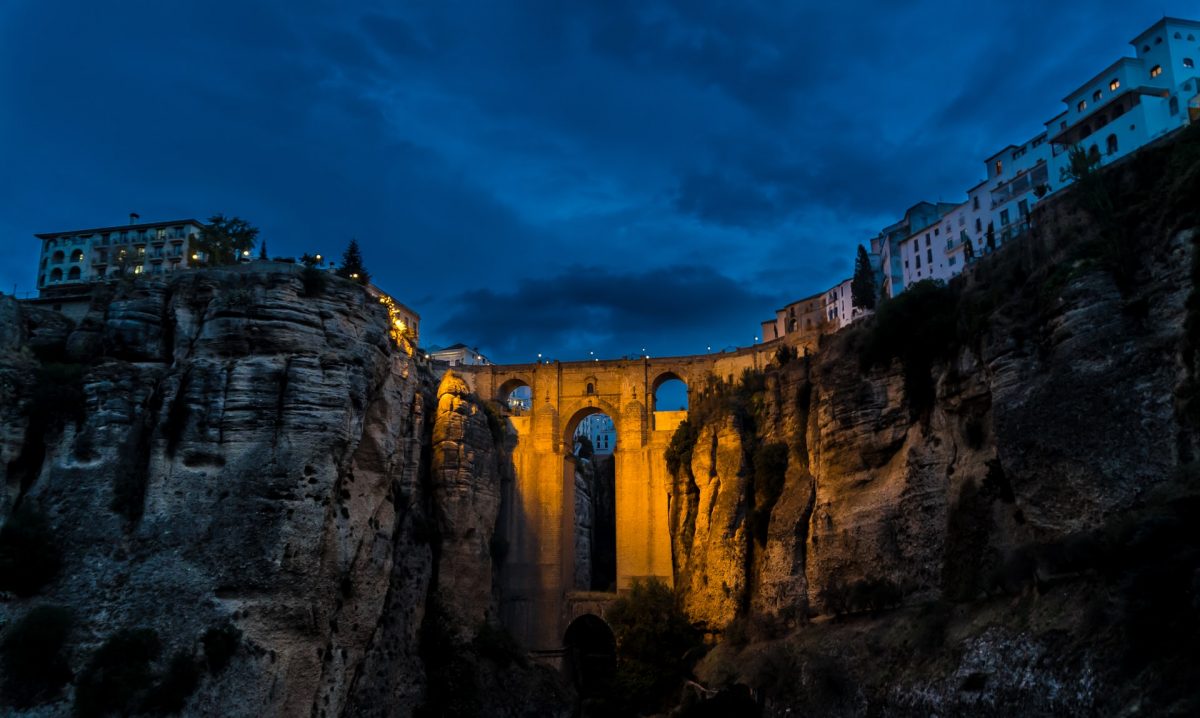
<point x="862" y="287"/>
<point x="262" y="251"/>
<point x="225" y="239"/>
<point x="352" y="264"/>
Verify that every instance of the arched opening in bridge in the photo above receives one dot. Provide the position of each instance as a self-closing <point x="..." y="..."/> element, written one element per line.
<point x="590" y="659"/>
<point x="670" y="401"/>
<point x="516" y="396"/>
<point x="589" y="506"/>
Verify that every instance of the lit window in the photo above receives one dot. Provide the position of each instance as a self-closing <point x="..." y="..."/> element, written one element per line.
<point x="137" y="269"/>
<point x="1156" y="71"/>
<point x="1081" y="106"/>
<point x="1114" y="84"/>
<point x="1096" y="96"/>
<point x="1187" y="62"/>
<point x="999" y="167"/>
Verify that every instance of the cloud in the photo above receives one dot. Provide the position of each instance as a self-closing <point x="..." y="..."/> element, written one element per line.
<point x="677" y="309"/>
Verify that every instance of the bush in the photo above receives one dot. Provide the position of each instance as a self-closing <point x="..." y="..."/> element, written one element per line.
<point x="118" y="675"/>
<point x="29" y="556"/>
<point x="314" y="281"/>
<point x="918" y="327"/>
<point x="171" y="692"/>
<point x="220" y="643"/>
<point x="34" y="657"/>
<point x="683" y="443"/>
<point x="653" y="639"/>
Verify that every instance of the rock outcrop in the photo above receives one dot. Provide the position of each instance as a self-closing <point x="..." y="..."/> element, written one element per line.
<point x="242" y="453"/>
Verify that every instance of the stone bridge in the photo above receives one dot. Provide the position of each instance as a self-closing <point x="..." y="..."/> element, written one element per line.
<point x="538" y="595"/>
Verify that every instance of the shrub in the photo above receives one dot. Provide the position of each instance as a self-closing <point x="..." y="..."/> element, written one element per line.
<point x="29" y="556"/>
<point x="171" y="692"/>
<point x="33" y="655"/>
<point x="314" y="281"/>
<point x="118" y="674"/>
<point x="653" y="639"/>
<point x="220" y="643"/>
<point x="683" y="443"/>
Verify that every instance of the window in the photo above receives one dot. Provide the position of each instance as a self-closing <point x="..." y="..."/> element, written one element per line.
<point x="56" y="275"/>
<point x="978" y="225"/>
<point x="999" y="167"/>
<point x="975" y="203"/>
<point x="951" y="261"/>
<point x="1004" y="217"/>
<point x="929" y="256"/>
<point x="927" y="239"/>
<point x="1081" y="106"/>
<point x="1156" y="71"/>
<point x="73" y="275"/>
<point x="591" y="388"/>
<point x="58" y="257"/>
<point x="936" y="232"/>
<point x="1145" y="48"/>
<point x="77" y="256"/>
<point x="1096" y="96"/>
<point x="1158" y="41"/>
<point x="137" y="269"/>
<point x="1112" y="144"/>
<point x="1114" y="84"/>
<point x="1173" y="105"/>
<point x="1023" y="208"/>
<point x="918" y="261"/>
<point x="1178" y="36"/>
<point x="1187" y="62"/>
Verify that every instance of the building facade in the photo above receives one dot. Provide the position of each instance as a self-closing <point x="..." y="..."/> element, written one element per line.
<point x="459" y="355"/>
<point x="600" y="430"/>
<point x="75" y="258"/>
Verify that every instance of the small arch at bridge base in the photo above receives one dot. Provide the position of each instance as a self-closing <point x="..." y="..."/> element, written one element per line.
<point x="590" y="657"/>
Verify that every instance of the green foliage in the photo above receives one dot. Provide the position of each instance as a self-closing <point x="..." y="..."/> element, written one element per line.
<point x="352" y="266"/>
<point x="34" y="657"/>
<point x="220" y="643"/>
<point x="170" y="693"/>
<point x="29" y="555"/>
<point x="654" y="638"/>
<point x="496" y="421"/>
<point x="314" y="280"/>
<point x="119" y="674"/>
<point x="586" y="450"/>
<point x="224" y="239"/>
<point x="863" y="292"/>
<point x="683" y="443"/>
<point x="919" y="327"/>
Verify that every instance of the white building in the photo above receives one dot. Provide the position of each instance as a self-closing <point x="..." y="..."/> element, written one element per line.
<point x="459" y="355"/>
<point x="908" y="231"/>
<point x="599" y="429"/>
<point x="1132" y="102"/>
<point x="74" y="258"/>
<point x="839" y="305"/>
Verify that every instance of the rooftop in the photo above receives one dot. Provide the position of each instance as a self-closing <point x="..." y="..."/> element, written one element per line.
<point x="120" y="228"/>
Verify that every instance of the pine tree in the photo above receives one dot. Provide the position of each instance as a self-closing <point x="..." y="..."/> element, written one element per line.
<point x="862" y="287"/>
<point x="352" y="265"/>
<point x="262" y="251"/>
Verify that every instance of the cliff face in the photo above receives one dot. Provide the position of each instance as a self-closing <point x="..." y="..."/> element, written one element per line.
<point x="223" y="449"/>
<point x="1045" y="407"/>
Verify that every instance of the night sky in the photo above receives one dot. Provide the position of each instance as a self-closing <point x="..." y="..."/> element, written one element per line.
<point x="555" y="177"/>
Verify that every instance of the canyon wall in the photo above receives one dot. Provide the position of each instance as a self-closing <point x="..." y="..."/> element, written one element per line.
<point x="240" y="449"/>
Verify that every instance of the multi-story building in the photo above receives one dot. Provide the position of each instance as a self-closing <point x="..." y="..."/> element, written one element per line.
<point x="458" y="355"/>
<point x="887" y="244"/>
<point x="71" y="259"/>
<point x="839" y="305"/>
<point x="600" y="430"/>
<point x="806" y="315"/>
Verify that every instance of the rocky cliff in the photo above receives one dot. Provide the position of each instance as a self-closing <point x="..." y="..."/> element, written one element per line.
<point x="979" y="462"/>
<point x="242" y="453"/>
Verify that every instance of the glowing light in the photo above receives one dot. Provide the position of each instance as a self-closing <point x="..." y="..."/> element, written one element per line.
<point x="194" y="256"/>
<point x="245" y="253"/>
<point x="399" y="332"/>
<point x="318" y="257"/>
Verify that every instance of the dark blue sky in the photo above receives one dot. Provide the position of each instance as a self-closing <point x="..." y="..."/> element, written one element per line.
<point x="555" y="177"/>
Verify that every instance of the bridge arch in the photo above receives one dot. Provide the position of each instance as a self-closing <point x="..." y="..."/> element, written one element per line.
<point x="590" y="656"/>
<point x="663" y="378"/>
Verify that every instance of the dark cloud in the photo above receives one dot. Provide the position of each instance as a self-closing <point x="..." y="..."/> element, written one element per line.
<point x="678" y="309"/>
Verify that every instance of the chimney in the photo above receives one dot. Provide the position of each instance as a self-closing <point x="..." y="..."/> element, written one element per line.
<point x="134" y="217"/>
